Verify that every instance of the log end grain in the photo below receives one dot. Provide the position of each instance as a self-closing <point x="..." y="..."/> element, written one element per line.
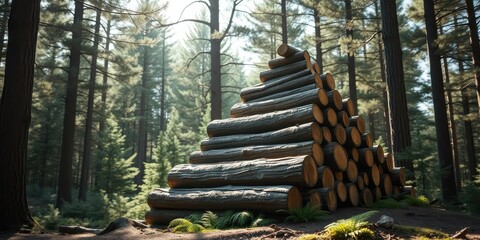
<point x="328" y="81"/>
<point x="335" y="156"/>
<point x="317" y="153"/>
<point x="386" y="185"/>
<point x="365" y="158"/>
<point x="366" y="197"/>
<point x="367" y="140"/>
<point x="294" y="199"/>
<point x="347" y="106"/>
<point x="360" y="183"/>
<point x="335" y="100"/>
<point x="327" y="135"/>
<point x="352" y="191"/>
<point x="341" y="191"/>
<point x="352" y="171"/>
<point x="286" y="50"/>
<point x="342" y="118"/>
<point x="354" y="138"/>
<point x="329" y="199"/>
<point x="374" y="175"/>
<point x="353" y="154"/>
<point x="339" y="134"/>
<point x="326" y="177"/>
<point x="318" y="81"/>
<point x="317" y="68"/>
<point x="389" y="163"/>
<point x="330" y="117"/>
<point x="323" y="98"/>
<point x="317" y="134"/>
<point x="378" y="154"/>
<point x="317" y="114"/>
<point x="310" y="173"/>
<point x="358" y="122"/>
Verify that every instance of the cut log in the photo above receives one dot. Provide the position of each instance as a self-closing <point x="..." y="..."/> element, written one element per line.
<point x="410" y="190"/>
<point x="314" y="96"/>
<point x="259" y="198"/>
<point x="286" y="50"/>
<point x="335" y="156"/>
<point x="358" y="122"/>
<point x="328" y="82"/>
<point x="365" y="159"/>
<point x="378" y="155"/>
<point x="329" y="198"/>
<point x="305" y="132"/>
<point x="366" y="197"/>
<point x="338" y="176"/>
<point x="280" y="84"/>
<point x="301" y="89"/>
<point x="330" y="117"/>
<point x="396" y="191"/>
<point x="386" y="185"/>
<point x="376" y="193"/>
<point x="327" y="135"/>
<point x="388" y="164"/>
<point x="367" y="140"/>
<point x="398" y="177"/>
<point x="364" y="175"/>
<point x="380" y="169"/>
<point x="334" y="100"/>
<point x="347" y="106"/>
<point x="314" y="198"/>
<point x="352" y="171"/>
<point x="352" y="195"/>
<point x="325" y="177"/>
<point x="285" y="70"/>
<point x="265" y="122"/>
<point x="342" y="118"/>
<point x="360" y="183"/>
<point x="353" y="154"/>
<point x="317" y="68"/>
<point x="165" y="216"/>
<point x="282" y="61"/>
<point x="311" y="148"/>
<point x="299" y="171"/>
<point x="341" y="191"/>
<point x="354" y="138"/>
<point x="374" y="175"/>
<point x="338" y="134"/>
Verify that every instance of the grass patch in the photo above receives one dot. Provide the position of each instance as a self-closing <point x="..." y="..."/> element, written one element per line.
<point x="420" y="232"/>
<point x="420" y="201"/>
<point x="310" y="237"/>
<point x="355" y="227"/>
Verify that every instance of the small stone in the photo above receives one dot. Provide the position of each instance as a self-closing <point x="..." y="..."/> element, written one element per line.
<point x="385" y="222"/>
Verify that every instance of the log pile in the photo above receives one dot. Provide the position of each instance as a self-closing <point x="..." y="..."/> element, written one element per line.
<point x="292" y="140"/>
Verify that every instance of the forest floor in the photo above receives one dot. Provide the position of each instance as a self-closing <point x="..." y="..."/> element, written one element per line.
<point x="433" y="218"/>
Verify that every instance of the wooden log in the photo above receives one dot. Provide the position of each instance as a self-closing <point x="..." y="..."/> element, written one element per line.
<point x="265" y="122"/>
<point x="365" y="178"/>
<point x="396" y="191"/>
<point x="286" y="50"/>
<point x="282" y="61"/>
<point x="305" y="132"/>
<point x="281" y="84"/>
<point x="378" y="155"/>
<point x="325" y="177"/>
<point x="254" y="198"/>
<point x="311" y="148"/>
<point x="299" y="171"/>
<point x="334" y="100"/>
<point x="341" y="191"/>
<point x="165" y="216"/>
<point x="300" y="89"/>
<point x="314" y="96"/>
<point x="317" y="68"/>
<point x="380" y="169"/>
<point x="354" y="138"/>
<point x="365" y="159"/>
<point x="335" y="156"/>
<point x="347" y="106"/>
<point x="360" y="183"/>
<point x="314" y="198"/>
<point x="386" y="185"/>
<point x="327" y="135"/>
<point x="342" y="118"/>
<point x="328" y="82"/>
<point x="352" y="195"/>
<point x="285" y="70"/>
<point x="376" y="193"/>
<point x="329" y="198"/>
<point x="338" y="176"/>
<point x="353" y="154"/>
<point x="366" y="197"/>
<point x="330" y="117"/>
<point x="410" y="190"/>
<point x="367" y="140"/>
<point x="398" y="177"/>
<point x="358" y="122"/>
<point x="338" y="134"/>
<point x="374" y="175"/>
<point x="388" y="164"/>
<point x="352" y="171"/>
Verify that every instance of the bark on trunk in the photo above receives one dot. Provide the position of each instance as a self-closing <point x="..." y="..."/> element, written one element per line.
<point x="287" y="93"/>
<point x="286" y="50"/>
<point x="475" y="43"/>
<point x="3" y="27"/>
<point x="215" y="62"/>
<point x="335" y="156"/>
<point x="352" y="87"/>
<point x="282" y="61"/>
<point x="318" y="41"/>
<point x="283" y="4"/>
<point x="285" y="70"/>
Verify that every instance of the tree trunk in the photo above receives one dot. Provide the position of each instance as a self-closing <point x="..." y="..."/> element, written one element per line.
<point x="283" y="4"/>
<point x="449" y="191"/>
<point x="87" y="144"/>
<point x="261" y="198"/>
<point x="352" y="85"/>
<point x="286" y="50"/>
<point x="397" y="99"/>
<point x="163" y="108"/>
<point x="101" y="127"/>
<point x="318" y="40"/>
<point x="64" y="192"/>
<point x="215" y="68"/>
<point x="3" y="27"/>
<point x="265" y="122"/>
<point x="263" y="151"/>
<point x="142" y="122"/>
<point x="305" y="132"/>
<point x="475" y="43"/>
<point x="15" y="114"/>
<point x="290" y="92"/>
<point x="315" y="96"/>
<point x="300" y="171"/>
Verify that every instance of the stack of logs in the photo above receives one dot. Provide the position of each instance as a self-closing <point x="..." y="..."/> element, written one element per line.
<point x="292" y="140"/>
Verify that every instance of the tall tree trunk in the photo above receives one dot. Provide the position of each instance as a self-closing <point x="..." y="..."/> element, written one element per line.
<point x="163" y="126"/>
<point x="449" y="191"/>
<point x="15" y="114"/>
<point x="318" y="39"/>
<point x="283" y="4"/>
<point x="87" y="141"/>
<point x="45" y="151"/>
<point x="371" y="123"/>
<point x="142" y="122"/>
<point x="68" y="140"/>
<point x="475" y="43"/>
<point x="215" y="68"/>
<point x="386" y="106"/>
<point x="3" y="27"/>
<point x="352" y="85"/>
<point x="400" y="126"/>
<point x="106" y="62"/>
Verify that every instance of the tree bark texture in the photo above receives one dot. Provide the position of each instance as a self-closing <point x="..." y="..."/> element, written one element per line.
<point x="286" y="93"/>
<point x="352" y="85"/>
<point x="275" y="73"/>
<point x="142" y="118"/>
<point x="256" y="198"/>
<point x="215" y="62"/>
<point x="283" y="4"/>
<point x="282" y="61"/>
<point x="15" y="114"/>
<point x="318" y="40"/>
<point x="475" y="43"/>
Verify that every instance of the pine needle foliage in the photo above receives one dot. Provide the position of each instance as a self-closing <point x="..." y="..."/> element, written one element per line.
<point x="355" y="227"/>
<point x="305" y="214"/>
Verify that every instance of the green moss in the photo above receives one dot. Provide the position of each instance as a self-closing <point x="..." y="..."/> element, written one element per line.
<point x="310" y="237"/>
<point x="420" y="201"/>
<point x="420" y="232"/>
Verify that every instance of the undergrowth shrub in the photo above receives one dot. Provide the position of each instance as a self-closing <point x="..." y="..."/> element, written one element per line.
<point x="305" y="214"/>
<point x="469" y="198"/>
<point x="355" y="227"/>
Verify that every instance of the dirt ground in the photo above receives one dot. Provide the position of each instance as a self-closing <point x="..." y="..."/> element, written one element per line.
<point x="439" y="219"/>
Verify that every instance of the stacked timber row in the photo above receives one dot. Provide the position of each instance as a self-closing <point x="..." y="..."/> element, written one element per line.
<point x="292" y="140"/>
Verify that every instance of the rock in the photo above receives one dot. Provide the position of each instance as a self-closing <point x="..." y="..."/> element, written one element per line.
<point x="385" y="222"/>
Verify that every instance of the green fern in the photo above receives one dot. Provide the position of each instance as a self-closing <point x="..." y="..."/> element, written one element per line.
<point x="351" y="228"/>
<point x="182" y="225"/>
<point x="262" y="221"/>
<point x="363" y="217"/>
<point x="209" y="220"/>
<point x="195" y="218"/>
<point x="224" y="221"/>
<point x="363" y="233"/>
<point x="241" y="219"/>
<point x="305" y="214"/>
